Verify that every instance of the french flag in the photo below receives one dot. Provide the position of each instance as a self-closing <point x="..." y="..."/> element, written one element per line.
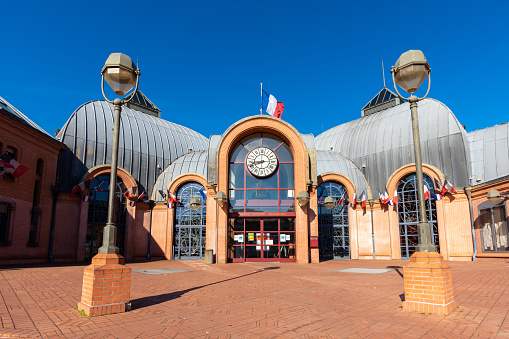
<point x="395" y="199"/>
<point x="271" y="105"/>
<point x="353" y="202"/>
<point x="426" y="192"/>
<point x="448" y="187"/>
<point x="142" y="195"/>
<point x="82" y="186"/>
<point x="438" y="190"/>
<point x="12" y="166"/>
<point x="343" y="198"/>
<point x="363" y="199"/>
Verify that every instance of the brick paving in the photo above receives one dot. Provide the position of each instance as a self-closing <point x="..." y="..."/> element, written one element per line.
<point x="254" y="300"/>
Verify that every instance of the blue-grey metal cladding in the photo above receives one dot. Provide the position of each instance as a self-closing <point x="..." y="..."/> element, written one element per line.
<point x="489" y="150"/>
<point x="327" y="162"/>
<point x="383" y="142"/>
<point x="195" y="162"/>
<point x="147" y="144"/>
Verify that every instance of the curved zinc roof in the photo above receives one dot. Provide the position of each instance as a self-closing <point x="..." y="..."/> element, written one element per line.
<point x="147" y="144"/>
<point x="195" y="162"/>
<point x="383" y="142"/>
<point x="489" y="151"/>
<point x="327" y="161"/>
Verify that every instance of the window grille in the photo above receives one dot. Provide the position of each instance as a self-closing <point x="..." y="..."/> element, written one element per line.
<point x="408" y="213"/>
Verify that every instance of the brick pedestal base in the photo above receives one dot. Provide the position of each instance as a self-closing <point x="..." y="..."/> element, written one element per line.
<point x="428" y="284"/>
<point x="106" y="286"/>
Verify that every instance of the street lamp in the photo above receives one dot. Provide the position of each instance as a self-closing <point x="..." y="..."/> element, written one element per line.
<point x="194" y="204"/>
<point x="122" y="75"/>
<point x="494" y="196"/>
<point x="329" y="203"/>
<point x="409" y="73"/>
<point x="303" y="198"/>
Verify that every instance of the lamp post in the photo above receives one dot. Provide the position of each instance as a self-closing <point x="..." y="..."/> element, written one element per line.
<point x="409" y="72"/>
<point x="122" y="75"/>
<point x="494" y="196"/>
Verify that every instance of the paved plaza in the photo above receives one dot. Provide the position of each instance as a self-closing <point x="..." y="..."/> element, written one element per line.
<point x="188" y="299"/>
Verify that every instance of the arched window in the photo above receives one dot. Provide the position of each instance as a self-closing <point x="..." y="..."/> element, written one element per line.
<point x="98" y="214"/>
<point x="333" y="227"/>
<point x="262" y="200"/>
<point x="408" y="213"/>
<point x="273" y="190"/>
<point x="189" y="242"/>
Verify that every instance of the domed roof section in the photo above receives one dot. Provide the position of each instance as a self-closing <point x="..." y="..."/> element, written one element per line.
<point x="146" y="144"/>
<point x="382" y="142"/>
<point x="195" y="162"/>
<point x="489" y="151"/>
<point x="327" y="162"/>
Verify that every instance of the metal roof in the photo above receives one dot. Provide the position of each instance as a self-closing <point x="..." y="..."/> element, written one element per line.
<point x="147" y="144"/>
<point x="327" y="161"/>
<point x="195" y="162"/>
<point x="383" y="142"/>
<point x="489" y="153"/>
<point x="6" y="107"/>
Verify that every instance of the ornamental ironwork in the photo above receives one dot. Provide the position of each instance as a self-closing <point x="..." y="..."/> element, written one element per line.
<point x="333" y="226"/>
<point x="408" y="214"/>
<point x="190" y="234"/>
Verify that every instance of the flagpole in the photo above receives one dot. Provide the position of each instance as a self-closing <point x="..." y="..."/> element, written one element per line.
<point x="261" y="97"/>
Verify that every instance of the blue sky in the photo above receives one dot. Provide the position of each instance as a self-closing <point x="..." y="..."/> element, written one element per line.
<point x="202" y="61"/>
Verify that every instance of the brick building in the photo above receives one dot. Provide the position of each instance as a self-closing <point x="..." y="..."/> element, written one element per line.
<point x="27" y="202"/>
<point x="261" y="165"/>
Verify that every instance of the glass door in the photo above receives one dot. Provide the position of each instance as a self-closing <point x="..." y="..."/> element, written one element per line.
<point x="262" y="239"/>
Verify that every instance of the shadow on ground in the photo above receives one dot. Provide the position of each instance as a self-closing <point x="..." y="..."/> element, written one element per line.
<point x="161" y="298"/>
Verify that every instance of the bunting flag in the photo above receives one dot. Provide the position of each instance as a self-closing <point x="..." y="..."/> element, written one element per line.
<point x="382" y="199"/>
<point x="438" y="190"/>
<point x="203" y="194"/>
<point x="448" y="187"/>
<point x="363" y="199"/>
<point x="143" y="195"/>
<point x="426" y="192"/>
<point x="388" y="198"/>
<point x="353" y="202"/>
<point x="163" y="195"/>
<point x="395" y="199"/>
<point x="130" y="193"/>
<point x="12" y="166"/>
<point x="343" y="198"/>
<point x="271" y="105"/>
<point x="82" y="186"/>
<point x="172" y="200"/>
<point x="132" y="203"/>
<point x="97" y="188"/>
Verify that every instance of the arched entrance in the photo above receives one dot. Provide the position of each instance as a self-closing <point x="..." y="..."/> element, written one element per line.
<point x="98" y="214"/>
<point x="333" y="226"/>
<point x="190" y="226"/>
<point x="408" y="214"/>
<point x="262" y="200"/>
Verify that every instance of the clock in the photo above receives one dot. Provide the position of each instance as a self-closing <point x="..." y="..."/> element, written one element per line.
<point x="261" y="162"/>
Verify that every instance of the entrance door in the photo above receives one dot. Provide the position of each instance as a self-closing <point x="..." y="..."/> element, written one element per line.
<point x="262" y="239"/>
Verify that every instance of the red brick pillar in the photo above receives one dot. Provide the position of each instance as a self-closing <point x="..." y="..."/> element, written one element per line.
<point x="106" y="285"/>
<point x="428" y="284"/>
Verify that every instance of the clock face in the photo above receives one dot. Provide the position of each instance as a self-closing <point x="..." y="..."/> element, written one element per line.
<point x="261" y="162"/>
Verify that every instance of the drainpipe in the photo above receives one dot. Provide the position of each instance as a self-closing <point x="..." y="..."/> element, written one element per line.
<point x="151" y="204"/>
<point x="372" y="227"/>
<point x="468" y="192"/>
<point x="54" y="194"/>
